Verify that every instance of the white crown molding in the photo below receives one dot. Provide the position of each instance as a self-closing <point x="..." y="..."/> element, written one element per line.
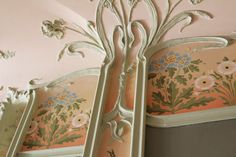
<point x="182" y="119"/>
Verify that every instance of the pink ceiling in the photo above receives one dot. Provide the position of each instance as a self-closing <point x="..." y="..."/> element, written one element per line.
<point x="36" y="55"/>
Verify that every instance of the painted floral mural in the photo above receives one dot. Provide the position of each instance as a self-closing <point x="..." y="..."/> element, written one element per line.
<point x="225" y="80"/>
<point x="180" y="83"/>
<point x="59" y="122"/>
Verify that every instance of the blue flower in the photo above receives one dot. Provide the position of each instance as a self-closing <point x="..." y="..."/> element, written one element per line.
<point x="170" y="59"/>
<point x="156" y="66"/>
<point x="65" y="98"/>
<point x="185" y="60"/>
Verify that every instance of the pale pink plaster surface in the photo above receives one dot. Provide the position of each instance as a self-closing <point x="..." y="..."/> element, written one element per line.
<point x="36" y="55"/>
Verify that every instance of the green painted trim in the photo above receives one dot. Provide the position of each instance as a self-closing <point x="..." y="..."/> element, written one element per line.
<point x="211" y="115"/>
<point x="75" y="151"/>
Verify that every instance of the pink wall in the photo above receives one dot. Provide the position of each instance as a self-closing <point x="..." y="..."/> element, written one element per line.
<point x="36" y="55"/>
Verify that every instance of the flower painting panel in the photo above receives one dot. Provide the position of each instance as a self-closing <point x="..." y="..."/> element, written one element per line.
<point x="63" y="115"/>
<point x="189" y="78"/>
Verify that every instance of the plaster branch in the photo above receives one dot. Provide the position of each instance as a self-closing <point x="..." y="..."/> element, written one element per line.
<point x="6" y="54"/>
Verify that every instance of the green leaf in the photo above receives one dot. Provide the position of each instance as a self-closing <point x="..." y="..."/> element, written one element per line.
<point x="156" y="108"/>
<point x="41" y="132"/>
<point x="198" y="61"/>
<point x="186" y="93"/>
<point x="76" y="106"/>
<point x="172" y="91"/>
<point x="217" y="76"/>
<point x="58" y="108"/>
<point x="71" y="113"/>
<point x="63" y="129"/>
<point x="193" y="68"/>
<point x="186" y="70"/>
<point x="42" y="112"/>
<point x="67" y="138"/>
<point x="63" y="117"/>
<point x="181" y="79"/>
<point x="225" y="59"/>
<point x="31" y="144"/>
<point x="226" y="101"/>
<point x="69" y="107"/>
<point x="80" y="100"/>
<point x="220" y="91"/>
<point x="54" y="126"/>
<point x="160" y="82"/>
<point x="49" y="116"/>
<point x="190" y="76"/>
<point x="158" y="97"/>
<point x="226" y="85"/>
<point x="171" y="71"/>
<point x="196" y="102"/>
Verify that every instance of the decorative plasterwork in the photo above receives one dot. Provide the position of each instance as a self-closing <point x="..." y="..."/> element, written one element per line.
<point x="36" y="85"/>
<point x="12" y="110"/>
<point x="57" y="29"/>
<point x="14" y="96"/>
<point x="151" y="40"/>
<point x="6" y="54"/>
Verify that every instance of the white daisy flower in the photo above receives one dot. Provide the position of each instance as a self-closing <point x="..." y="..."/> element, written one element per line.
<point x="204" y="82"/>
<point x="80" y="120"/>
<point x="227" y="68"/>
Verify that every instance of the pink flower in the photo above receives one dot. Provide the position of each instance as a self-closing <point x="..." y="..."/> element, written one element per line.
<point x="226" y="68"/>
<point x="204" y="82"/>
<point x="80" y="120"/>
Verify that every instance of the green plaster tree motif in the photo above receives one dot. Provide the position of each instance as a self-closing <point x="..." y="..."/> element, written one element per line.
<point x="126" y="31"/>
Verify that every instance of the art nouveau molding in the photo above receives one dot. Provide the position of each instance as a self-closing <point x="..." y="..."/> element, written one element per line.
<point x="106" y="43"/>
<point x="128" y="45"/>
